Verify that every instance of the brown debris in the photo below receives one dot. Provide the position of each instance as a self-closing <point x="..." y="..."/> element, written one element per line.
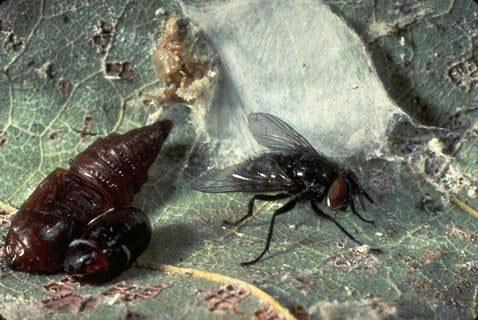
<point x="13" y="42"/>
<point x="458" y="233"/>
<point x="300" y="312"/>
<point x="120" y="70"/>
<point x="77" y="302"/>
<point x="266" y="313"/>
<point x="428" y="204"/>
<point x="45" y="71"/>
<point x="365" y="309"/>
<point x="64" y="87"/>
<point x="135" y="316"/>
<point x="6" y="26"/>
<point x="61" y="288"/>
<point x="102" y="40"/>
<point x="449" y="299"/>
<point x="4" y="219"/>
<point x="356" y="259"/>
<point x="470" y="267"/>
<point x="128" y="292"/>
<point x="3" y="139"/>
<point x="225" y="300"/>
<point x="305" y="285"/>
<point x="86" y="127"/>
<point x="184" y="73"/>
<point x="422" y="285"/>
<point x="464" y="74"/>
<point x="54" y="135"/>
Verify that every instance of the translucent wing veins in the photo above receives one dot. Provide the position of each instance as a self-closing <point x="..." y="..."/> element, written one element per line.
<point x="275" y="134"/>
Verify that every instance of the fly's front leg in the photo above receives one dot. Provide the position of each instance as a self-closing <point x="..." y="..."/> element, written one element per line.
<point x="352" y="206"/>
<point x="250" y="207"/>
<point x="322" y="214"/>
<point x="285" y="208"/>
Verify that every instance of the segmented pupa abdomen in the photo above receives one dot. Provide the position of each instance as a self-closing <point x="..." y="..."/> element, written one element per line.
<point x="118" y="164"/>
<point x="106" y="175"/>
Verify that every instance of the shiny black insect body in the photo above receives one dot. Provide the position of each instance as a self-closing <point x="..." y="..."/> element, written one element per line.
<point x="292" y="169"/>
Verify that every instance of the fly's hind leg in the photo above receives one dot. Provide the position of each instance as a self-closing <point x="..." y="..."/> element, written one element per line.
<point x="285" y="208"/>
<point x="250" y="206"/>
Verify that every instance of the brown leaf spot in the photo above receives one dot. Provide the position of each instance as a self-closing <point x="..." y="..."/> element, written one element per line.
<point x="410" y="262"/>
<point x="470" y="267"/>
<point x="424" y="285"/>
<point x="102" y="40"/>
<point x="64" y="87"/>
<point x="458" y="233"/>
<point x="88" y="123"/>
<point x="266" y="313"/>
<point x="122" y="70"/>
<point x="128" y="292"/>
<point x="3" y="140"/>
<point x="78" y="303"/>
<point x="429" y="256"/>
<point x="225" y="299"/>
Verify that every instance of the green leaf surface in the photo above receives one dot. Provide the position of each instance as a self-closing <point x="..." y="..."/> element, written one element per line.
<point x="56" y="99"/>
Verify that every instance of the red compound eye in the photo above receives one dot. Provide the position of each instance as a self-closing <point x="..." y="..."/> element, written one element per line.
<point x="338" y="193"/>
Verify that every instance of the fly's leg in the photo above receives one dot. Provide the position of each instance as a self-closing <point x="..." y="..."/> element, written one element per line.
<point x="250" y="207"/>
<point x="285" y="208"/>
<point x="352" y="206"/>
<point x="322" y="214"/>
<point x="367" y="196"/>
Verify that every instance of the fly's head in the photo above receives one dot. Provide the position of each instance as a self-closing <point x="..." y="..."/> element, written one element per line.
<point x="342" y="191"/>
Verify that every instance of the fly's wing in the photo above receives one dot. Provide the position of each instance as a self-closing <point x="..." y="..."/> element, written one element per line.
<point x="275" y="134"/>
<point x="259" y="174"/>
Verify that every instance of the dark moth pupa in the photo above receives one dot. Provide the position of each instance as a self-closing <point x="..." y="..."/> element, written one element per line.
<point x="106" y="175"/>
<point x="109" y="245"/>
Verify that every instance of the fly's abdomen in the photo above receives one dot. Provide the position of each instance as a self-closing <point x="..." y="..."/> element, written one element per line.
<point x="109" y="245"/>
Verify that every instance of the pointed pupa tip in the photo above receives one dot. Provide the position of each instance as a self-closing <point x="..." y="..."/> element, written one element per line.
<point x="164" y="125"/>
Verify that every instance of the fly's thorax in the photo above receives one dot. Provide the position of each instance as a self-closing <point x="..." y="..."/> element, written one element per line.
<point x="314" y="173"/>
